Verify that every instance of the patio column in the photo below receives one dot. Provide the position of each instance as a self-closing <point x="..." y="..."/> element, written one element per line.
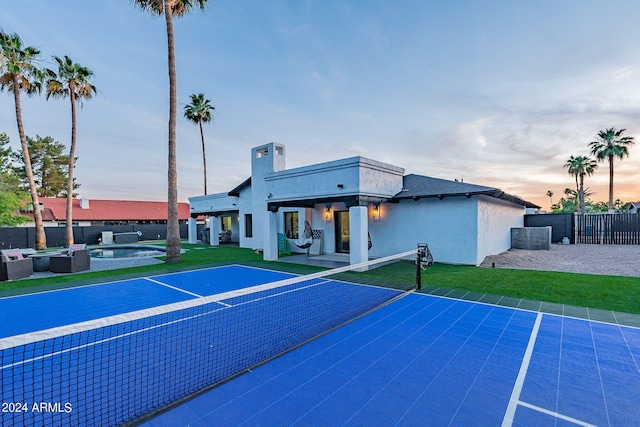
<point x="214" y="231"/>
<point x="270" y="237"/>
<point x="358" y="234"/>
<point x="193" y="230"/>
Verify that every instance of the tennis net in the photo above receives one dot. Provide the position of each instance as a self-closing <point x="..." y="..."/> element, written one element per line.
<point x="124" y="368"/>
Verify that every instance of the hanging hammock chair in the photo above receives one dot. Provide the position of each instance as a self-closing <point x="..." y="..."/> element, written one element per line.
<point x="306" y="239"/>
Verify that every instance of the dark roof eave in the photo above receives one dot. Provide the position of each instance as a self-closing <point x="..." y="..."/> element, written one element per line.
<point x="492" y="193"/>
<point x="442" y="195"/>
<point x="348" y="200"/>
<point x="236" y="191"/>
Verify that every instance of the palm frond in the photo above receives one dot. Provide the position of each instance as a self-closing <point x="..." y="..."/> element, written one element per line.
<point x="71" y="77"/>
<point x="178" y="7"/>
<point x="19" y="62"/>
<point x="611" y="144"/>
<point x="199" y="110"/>
<point x="155" y="7"/>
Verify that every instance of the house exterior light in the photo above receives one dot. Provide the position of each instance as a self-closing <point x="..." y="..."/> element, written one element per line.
<point x="376" y="211"/>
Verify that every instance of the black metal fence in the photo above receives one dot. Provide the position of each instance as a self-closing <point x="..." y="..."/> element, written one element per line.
<point x="24" y="237"/>
<point x="608" y="229"/>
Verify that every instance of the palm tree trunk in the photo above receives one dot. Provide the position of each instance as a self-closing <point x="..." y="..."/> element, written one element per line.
<point x="72" y="151"/>
<point x="41" y="238"/>
<point x="611" y="184"/>
<point x="173" y="226"/>
<point x="204" y="157"/>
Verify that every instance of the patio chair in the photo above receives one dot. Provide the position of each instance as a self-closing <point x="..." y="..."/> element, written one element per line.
<point x="76" y="259"/>
<point x="307" y="237"/>
<point x="14" y="266"/>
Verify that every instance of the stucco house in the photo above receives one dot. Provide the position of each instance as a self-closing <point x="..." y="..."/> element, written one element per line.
<point x="361" y="207"/>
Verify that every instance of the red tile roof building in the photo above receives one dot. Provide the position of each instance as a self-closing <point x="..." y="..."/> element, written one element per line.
<point x="108" y="212"/>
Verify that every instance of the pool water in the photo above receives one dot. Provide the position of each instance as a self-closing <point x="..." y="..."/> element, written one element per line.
<point x="127" y="252"/>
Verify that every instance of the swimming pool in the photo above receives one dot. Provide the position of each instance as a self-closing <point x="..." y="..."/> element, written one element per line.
<point x="127" y="251"/>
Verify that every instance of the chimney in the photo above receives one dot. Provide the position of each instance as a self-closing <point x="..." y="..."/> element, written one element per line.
<point x="84" y="203"/>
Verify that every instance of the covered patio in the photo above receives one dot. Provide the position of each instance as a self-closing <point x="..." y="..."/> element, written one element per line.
<point x="339" y="198"/>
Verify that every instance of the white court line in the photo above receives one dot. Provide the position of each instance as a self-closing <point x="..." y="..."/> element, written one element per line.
<point x="557" y="415"/>
<point x="517" y="388"/>
<point x="172" y="287"/>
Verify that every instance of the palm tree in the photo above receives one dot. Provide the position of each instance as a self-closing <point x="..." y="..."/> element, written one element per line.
<point x="610" y="144"/>
<point x="20" y="73"/>
<point x="171" y="8"/>
<point x="199" y="111"/>
<point x="550" y="195"/>
<point x="580" y="166"/>
<point x="71" y="81"/>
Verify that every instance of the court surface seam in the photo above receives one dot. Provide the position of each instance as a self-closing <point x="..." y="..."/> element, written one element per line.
<point x="172" y="287"/>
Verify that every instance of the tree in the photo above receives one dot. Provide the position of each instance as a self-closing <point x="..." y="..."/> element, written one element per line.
<point x="49" y="166"/>
<point x="610" y="144"/>
<point x="624" y="206"/>
<point x="171" y="8"/>
<point x="72" y="81"/>
<point x="11" y="198"/>
<point x="580" y="166"/>
<point x="199" y="111"/>
<point x="9" y="182"/>
<point x="568" y="203"/>
<point x="20" y="73"/>
<point x="10" y="204"/>
<point x="550" y="195"/>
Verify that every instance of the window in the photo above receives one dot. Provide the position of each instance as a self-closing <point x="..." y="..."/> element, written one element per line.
<point x="291" y="225"/>
<point x="248" y="225"/>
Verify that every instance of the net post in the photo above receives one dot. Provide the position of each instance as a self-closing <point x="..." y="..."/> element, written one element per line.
<point x="418" y="268"/>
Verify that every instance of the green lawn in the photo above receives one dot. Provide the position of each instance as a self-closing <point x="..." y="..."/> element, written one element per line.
<point x="595" y="291"/>
<point x="613" y="293"/>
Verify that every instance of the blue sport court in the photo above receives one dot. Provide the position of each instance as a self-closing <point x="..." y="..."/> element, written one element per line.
<point x="110" y="354"/>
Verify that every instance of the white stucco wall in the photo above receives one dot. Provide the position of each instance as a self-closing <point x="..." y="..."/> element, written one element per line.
<point x="448" y="226"/>
<point x="218" y="202"/>
<point x="495" y="220"/>
<point x="265" y="160"/>
<point x="355" y="175"/>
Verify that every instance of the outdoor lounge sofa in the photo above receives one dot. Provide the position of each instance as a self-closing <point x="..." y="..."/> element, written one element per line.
<point x="13" y="265"/>
<point x="76" y="259"/>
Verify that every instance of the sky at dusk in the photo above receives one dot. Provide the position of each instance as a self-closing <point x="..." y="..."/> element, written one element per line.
<point x="497" y="93"/>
